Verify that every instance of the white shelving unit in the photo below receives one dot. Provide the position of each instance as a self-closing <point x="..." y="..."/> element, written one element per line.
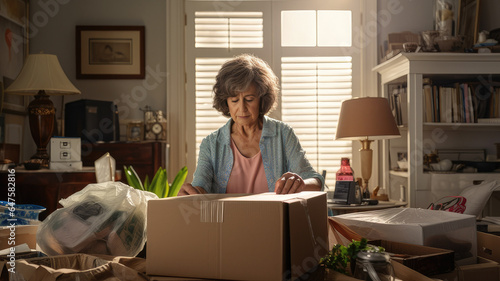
<point x="417" y="136"/>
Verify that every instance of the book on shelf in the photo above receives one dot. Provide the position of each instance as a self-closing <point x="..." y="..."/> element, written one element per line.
<point x="429" y="104"/>
<point x="403" y="98"/>
<point x="488" y="120"/>
<point x="460" y="103"/>
<point x="435" y="95"/>
<point x="399" y="105"/>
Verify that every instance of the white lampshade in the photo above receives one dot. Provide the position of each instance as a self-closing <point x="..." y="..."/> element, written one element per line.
<point x="42" y="72"/>
<point x="366" y="118"/>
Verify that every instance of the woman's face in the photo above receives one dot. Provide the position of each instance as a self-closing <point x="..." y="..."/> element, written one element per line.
<point x="244" y="108"/>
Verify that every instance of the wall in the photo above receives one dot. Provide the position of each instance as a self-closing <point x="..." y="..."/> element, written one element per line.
<point x="53" y="31"/>
<point x="417" y="16"/>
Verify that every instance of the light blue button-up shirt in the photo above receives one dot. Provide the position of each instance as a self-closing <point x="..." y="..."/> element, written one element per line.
<point x="280" y="149"/>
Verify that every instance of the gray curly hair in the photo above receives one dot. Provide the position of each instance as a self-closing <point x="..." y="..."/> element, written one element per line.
<point x="236" y="76"/>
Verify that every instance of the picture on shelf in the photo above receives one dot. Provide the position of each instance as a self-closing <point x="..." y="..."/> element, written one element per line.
<point x="135" y="131"/>
<point x="398" y="156"/>
<point x="402" y="156"/>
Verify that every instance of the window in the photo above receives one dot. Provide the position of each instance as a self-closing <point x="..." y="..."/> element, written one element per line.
<point x="228" y="29"/>
<point x="311" y="28"/>
<point x="309" y="49"/>
<point x="312" y="90"/>
<point x="207" y="118"/>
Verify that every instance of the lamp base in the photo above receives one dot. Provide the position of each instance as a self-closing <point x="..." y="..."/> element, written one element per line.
<point x="366" y="154"/>
<point x="41" y="113"/>
<point x="41" y="156"/>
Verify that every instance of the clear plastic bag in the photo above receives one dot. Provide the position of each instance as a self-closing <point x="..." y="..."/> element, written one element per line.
<point x="106" y="218"/>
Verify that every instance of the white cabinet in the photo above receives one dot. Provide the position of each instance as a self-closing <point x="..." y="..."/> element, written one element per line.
<point x="419" y="138"/>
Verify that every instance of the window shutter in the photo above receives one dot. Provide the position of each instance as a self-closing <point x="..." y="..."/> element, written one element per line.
<point x="228" y="30"/>
<point x="313" y="89"/>
<point x="207" y="118"/>
<point x="314" y="80"/>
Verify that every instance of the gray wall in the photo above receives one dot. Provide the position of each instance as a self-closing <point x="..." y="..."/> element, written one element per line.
<point x="417" y="16"/>
<point x="53" y="31"/>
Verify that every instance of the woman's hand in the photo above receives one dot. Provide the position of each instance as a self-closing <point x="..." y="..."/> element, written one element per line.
<point x="292" y="183"/>
<point x="188" y="189"/>
<point x="289" y="183"/>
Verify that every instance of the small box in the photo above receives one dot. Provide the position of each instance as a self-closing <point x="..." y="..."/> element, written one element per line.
<point x="425" y="260"/>
<point x="65" y="149"/>
<point x="66" y="166"/>
<point x="237" y="237"/>
<point x="439" y="229"/>
<point x="483" y="269"/>
<point x="23" y="234"/>
<point x="488" y="246"/>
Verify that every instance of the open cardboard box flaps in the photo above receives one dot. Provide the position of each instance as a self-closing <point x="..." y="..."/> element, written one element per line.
<point x="426" y="260"/>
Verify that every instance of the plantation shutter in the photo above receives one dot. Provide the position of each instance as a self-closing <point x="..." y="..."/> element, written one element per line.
<point x="207" y="118"/>
<point x="314" y="79"/>
<point x="313" y="89"/>
<point x="228" y="29"/>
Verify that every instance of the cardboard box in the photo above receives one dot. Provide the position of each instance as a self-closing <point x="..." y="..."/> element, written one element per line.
<point x="445" y="230"/>
<point x="321" y="274"/>
<point x="488" y="246"/>
<point x="483" y="269"/>
<point x="237" y="237"/>
<point x="425" y="260"/>
<point x="22" y="234"/>
<point x="75" y="267"/>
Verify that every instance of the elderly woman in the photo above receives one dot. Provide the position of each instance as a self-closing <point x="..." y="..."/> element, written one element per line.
<point x="251" y="153"/>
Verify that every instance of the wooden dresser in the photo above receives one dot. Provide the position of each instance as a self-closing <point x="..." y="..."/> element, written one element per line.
<point x="146" y="157"/>
<point x="46" y="187"/>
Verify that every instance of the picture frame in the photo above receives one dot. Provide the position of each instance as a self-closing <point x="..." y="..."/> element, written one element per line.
<point x="110" y="52"/>
<point x="468" y="21"/>
<point x="14" y="25"/>
<point x="135" y="131"/>
<point x="395" y="153"/>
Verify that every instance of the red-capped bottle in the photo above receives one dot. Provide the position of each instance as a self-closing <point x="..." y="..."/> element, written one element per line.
<point x="345" y="172"/>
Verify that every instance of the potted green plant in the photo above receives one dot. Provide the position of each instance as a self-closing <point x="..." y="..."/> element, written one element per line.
<point x="159" y="184"/>
<point x="343" y="258"/>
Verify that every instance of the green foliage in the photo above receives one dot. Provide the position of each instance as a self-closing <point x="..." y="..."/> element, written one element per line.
<point x="159" y="184"/>
<point x="341" y="257"/>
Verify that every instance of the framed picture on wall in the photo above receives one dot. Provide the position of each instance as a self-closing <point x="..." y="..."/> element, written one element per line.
<point x="13" y="51"/>
<point x="110" y="52"/>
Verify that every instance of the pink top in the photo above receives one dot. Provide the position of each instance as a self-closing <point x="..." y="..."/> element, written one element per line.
<point x="247" y="175"/>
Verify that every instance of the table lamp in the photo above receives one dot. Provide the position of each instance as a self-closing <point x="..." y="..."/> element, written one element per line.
<point x="366" y="119"/>
<point x="41" y="76"/>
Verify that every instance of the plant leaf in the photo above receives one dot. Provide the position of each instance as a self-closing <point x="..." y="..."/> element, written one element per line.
<point x="132" y="178"/>
<point x="178" y="181"/>
<point x="158" y="182"/>
<point x="146" y="183"/>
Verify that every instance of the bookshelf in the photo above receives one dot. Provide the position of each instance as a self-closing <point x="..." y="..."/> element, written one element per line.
<point x="419" y="134"/>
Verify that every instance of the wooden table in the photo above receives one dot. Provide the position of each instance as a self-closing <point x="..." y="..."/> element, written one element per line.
<point x="45" y="187"/>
